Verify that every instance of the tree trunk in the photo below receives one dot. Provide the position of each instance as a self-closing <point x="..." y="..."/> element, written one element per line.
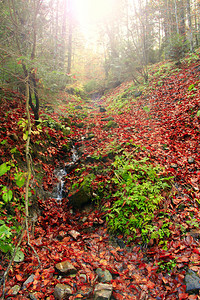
<point x="190" y="26"/>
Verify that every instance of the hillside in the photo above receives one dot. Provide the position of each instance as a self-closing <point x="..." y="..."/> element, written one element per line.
<point x="130" y="195"/>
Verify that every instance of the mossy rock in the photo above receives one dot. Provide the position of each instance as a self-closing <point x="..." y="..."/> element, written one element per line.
<point x="66" y="147"/>
<point x="111" y="124"/>
<point x="107" y="119"/>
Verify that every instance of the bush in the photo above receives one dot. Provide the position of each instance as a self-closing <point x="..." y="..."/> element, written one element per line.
<point x="177" y="47"/>
<point x="138" y="196"/>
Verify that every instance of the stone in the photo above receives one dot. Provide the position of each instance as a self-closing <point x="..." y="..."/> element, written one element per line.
<point x="66" y="267"/>
<point x="192" y="281"/>
<point x="107" y="119"/>
<point x="28" y="280"/>
<point x="14" y="290"/>
<point x="32" y="296"/>
<point x="111" y="124"/>
<point x="195" y="233"/>
<point x="78" y="107"/>
<point x="102" y="109"/>
<point x="137" y="94"/>
<point x="75" y="234"/>
<point x="191" y="160"/>
<point x="67" y="130"/>
<point x="62" y="291"/>
<point x="104" y="275"/>
<point x="86" y="292"/>
<point x="103" y="291"/>
<point x="90" y="136"/>
<point x="174" y="166"/>
<point x="78" y="198"/>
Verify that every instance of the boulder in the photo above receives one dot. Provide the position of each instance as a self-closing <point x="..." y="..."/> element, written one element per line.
<point x="62" y="291"/>
<point x="104" y="275"/>
<point x="79" y="197"/>
<point x="192" y="281"/>
<point x="103" y="291"/>
<point x="66" y="267"/>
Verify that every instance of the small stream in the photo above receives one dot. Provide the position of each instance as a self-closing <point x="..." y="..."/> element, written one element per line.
<point x="61" y="174"/>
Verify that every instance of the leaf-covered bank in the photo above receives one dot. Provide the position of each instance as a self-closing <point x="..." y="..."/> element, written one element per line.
<point x="157" y="124"/>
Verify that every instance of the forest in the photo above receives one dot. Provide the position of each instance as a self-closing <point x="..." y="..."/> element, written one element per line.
<point x="99" y="149"/>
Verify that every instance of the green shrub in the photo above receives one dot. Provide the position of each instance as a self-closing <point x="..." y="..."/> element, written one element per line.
<point x="137" y="196"/>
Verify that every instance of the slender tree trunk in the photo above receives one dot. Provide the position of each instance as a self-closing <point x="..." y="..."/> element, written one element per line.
<point x="190" y="26"/>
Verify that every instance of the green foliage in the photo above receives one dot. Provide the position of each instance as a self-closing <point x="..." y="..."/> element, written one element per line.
<point x="5" y="238"/>
<point x="138" y="194"/>
<point x="7" y="195"/>
<point x="91" y="86"/>
<point x="167" y="265"/>
<point x="177" y="47"/>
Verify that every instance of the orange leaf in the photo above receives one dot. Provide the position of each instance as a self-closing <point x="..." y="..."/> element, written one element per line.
<point x="150" y="284"/>
<point x="19" y="277"/>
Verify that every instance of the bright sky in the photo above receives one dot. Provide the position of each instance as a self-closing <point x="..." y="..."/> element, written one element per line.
<point x="90" y="12"/>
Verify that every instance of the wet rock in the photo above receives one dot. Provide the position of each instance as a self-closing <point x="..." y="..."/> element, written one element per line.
<point x="191" y="160"/>
<point x="75" y="234"/>
<point x="192" y="281"/>
<point x="14" y="290"/>
<point x="102" y="109"/>
<point x="28" y="280"/>
<point x="78" y="198"/>
<point x="104" y="275"/>
<point x="103" y="291"/>
<point x="62" y="291"/>
<point x="66" y="267"/>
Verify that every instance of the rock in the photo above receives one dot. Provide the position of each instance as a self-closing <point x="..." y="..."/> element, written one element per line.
<point x="192" y="281"/>
<point x="195" y="233"/>
<point x="84" y="219"/>
<point x="111" y="124"/>
<point x="28" y="280"/>
<point x="104" y="276"/>
<point x="85" y="293"/>
<point x="102" y="109"/>
<point x="78" y="198"/>
<point x="174" y="166"/>
<point x="103" y="291"/>
<point x="90" y="136"/>
<point x="107" y="119"/>
<point x="83" y="277"/>
<point x="78" y="107"/>
<point x="62" y="291"/>
<point x="137" y="94"/>
<point x="66" y="267"/>
<point x="67" y="130"/>
<point x="32" y="296"/>
<point x="191" y="160"/>
<point x="75" y="234"/>
<point x="80" y="125"/>
<point x="14" y="290"/>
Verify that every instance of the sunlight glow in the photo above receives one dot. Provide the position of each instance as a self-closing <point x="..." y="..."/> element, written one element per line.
<point x="91" y="12"/>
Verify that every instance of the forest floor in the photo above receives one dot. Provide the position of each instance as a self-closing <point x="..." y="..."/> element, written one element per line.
<point x="163" y="121"/>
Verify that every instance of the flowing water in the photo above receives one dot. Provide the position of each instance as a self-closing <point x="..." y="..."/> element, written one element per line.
<point x="61" y="175"/>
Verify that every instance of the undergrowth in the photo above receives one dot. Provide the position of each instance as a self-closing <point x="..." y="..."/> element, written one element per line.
<point x="138" y="194"/>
